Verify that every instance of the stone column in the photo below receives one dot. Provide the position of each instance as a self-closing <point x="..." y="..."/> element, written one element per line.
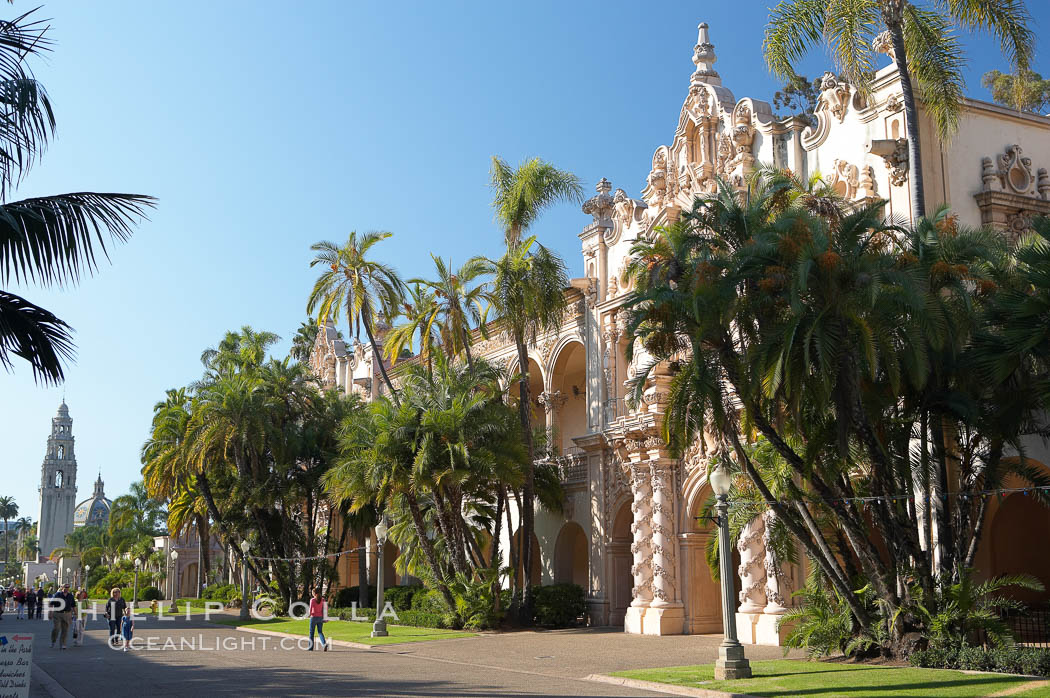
<point x="552" y="402"/>
<point x="775" y="602"/>
<point x="752" y="568"/>
<point x="641" y="548"/>
<point x="611" y="335"/>
<point x="666" y="615"/>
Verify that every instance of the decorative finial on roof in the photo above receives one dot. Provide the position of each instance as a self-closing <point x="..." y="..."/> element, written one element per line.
<point x="99" y="488"/>
<point x="704" y="57"/>
<point x="600" y="206"/>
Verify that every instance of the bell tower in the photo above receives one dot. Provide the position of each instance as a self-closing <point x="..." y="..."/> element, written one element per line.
<point x="58" y="485"/>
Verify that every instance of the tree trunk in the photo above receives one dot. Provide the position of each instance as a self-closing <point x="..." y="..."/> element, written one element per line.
<point x="894" y="22"/>
<point x="428" y="550"/>
<point x="377" y="355"/>
<point x="528" y="519"/>
<point x="202" y="480"/>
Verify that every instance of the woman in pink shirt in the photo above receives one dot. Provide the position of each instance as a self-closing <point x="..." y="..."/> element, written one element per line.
<point x="318" y="612"/>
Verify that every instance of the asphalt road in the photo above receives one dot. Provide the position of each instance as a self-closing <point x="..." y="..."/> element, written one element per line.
<point x="196" y="658"/>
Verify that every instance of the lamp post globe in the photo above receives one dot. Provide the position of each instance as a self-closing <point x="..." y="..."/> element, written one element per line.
<point x="245" y="547"/>
<point x="731" y="663"/>
<point x="382" y="531"/>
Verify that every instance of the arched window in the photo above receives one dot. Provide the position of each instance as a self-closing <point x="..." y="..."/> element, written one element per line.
<point x="58" y="477"/>
<point x="61" y="452"/>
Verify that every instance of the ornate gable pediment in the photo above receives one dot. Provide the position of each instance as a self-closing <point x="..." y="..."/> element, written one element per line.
<point x="327" y="350"/>
<point x="1011" y="194"/>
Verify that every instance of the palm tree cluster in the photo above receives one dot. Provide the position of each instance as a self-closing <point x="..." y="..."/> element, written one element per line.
<point x="243" y="449"/>
<point x="257" y="450"/>
<point x="891" y="370"/>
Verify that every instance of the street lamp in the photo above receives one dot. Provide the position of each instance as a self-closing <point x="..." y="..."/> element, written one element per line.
<point x="731" y="664"/>
<point x="382" y="529"/>
<point x="244" y="579"/>
<point x="87" y="574"/>
<point x="135" y="594"/>
<point x="174" y="581"/>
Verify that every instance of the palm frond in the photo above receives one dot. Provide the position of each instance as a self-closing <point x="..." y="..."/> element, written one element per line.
<point x="55" y="239"/>
<point x="36" y="335"/>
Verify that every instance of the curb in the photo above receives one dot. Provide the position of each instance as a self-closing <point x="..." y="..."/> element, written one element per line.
<point x="274" y="633"/>
<point x="52" y="687"/>
<point x="663" y="687"/>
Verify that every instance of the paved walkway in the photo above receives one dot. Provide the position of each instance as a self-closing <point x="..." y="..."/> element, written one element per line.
<point x="216" y="660"/>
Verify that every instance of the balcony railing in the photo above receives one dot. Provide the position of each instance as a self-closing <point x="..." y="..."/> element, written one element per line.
<point x="614" y="409"/>
<point x="571" y="464"/>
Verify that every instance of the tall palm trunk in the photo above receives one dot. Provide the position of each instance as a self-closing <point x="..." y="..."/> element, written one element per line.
<point x="528" y="518"/>
<point x="377" y="355"/>
<point x="892" y="13"/>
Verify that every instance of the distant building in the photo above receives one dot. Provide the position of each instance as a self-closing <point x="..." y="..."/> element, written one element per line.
<point x="58" y="485"/>
<point x="93" y="511"/>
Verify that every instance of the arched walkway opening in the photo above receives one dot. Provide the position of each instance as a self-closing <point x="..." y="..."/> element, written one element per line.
<point x="1015" y="525"/>
<point x="535" y="390"/>
<point x="620" y="561"/>
<point x="1011" y="549"/>
<point x="568" y="397"/>
<point x="702" y="594"/>
<point x="570" y="555"/>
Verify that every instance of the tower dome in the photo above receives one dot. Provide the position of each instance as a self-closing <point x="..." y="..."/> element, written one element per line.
<point x="93" y="511"/>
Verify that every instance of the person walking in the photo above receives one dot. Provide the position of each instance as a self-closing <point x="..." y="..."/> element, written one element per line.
<point x="39" y="601"/>
<point x="61" y="610"/>
<point x="127" y="628"/>
<point x="115" y="607"/>
<point x="318" y="613"/>
<point x="20" y="603"/>
<point x="30" y="603"/>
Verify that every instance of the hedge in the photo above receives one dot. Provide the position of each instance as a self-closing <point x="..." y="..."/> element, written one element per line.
<point x="1009" y="659"/>
<point x="558" y="605"/>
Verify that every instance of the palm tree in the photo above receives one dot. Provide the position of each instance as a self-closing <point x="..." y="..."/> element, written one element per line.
<point x="524" y="296"/>
<point x="368" y="289"/>
<point x="521" y="194"/>
<point x="925" y="47"/>
<point x="23" y="527"/>
<point x="303" y="341"/>
<point x="30" y="548"/>
<point x="458" y="305"/>
<point x="52" y="240"/>
<point x="528" y="298"/>
<point x="8" y="510"/>
<point x="421" y="317"/>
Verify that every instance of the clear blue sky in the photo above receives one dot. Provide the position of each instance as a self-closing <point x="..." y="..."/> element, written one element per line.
<point x="263" y="127"/>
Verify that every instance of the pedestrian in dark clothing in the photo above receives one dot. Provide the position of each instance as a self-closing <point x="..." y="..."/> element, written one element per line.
<point x="61" y="611"/>
<point x="31" y="603"/>
<point x="39" y="601"/>
<point x="115" y="606"/>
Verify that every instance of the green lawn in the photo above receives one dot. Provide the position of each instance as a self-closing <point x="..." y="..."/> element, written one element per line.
<point x="791" y="677"/>
<point x="352" y="631"/>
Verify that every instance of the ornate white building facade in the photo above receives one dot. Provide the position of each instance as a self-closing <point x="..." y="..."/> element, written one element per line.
<point x="630" y="533"/>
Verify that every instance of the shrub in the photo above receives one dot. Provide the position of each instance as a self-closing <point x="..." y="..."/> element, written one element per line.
<point x="1010" y="659"/>
<point x="151" y="594"/>
<point x="114" y="578"/>
<point x="347" y="596"/>
<point x="559" y="605"/>
<point x="400" y="597"/>
<point x="423" y="619"/>
<point x="221" y="592"/>
<point x="430" y="601"/>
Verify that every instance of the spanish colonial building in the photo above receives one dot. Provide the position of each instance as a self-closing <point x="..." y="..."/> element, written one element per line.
<point x="630" y="534"/>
